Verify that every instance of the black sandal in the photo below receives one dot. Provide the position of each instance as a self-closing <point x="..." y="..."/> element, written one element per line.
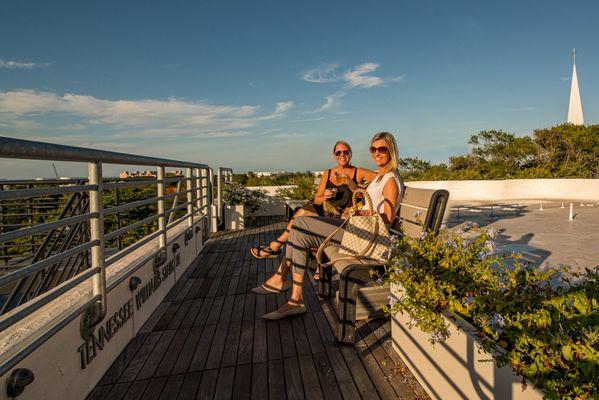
<point x="270" y="253"/>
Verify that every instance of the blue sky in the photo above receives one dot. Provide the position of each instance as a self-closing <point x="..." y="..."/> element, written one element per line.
<point x="260" y="85"/>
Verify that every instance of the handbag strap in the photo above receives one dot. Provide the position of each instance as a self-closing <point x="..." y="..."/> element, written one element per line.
<point x="326" y="242"/>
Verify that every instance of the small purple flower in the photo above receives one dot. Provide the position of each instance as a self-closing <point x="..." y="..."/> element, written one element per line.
<point x="468" y="301"/>
<point x="452" y="243"/>
<point x="437" y="337"/>
<point x="417" y="214"/>
<point x="492" y="232"/>
<point x="392" y="301"/>
<point x="496" y="323"/>
<point x="423" y="235"/>
<point x="490" y="245"/>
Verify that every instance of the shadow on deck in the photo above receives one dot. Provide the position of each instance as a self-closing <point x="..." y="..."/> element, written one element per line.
<point x="207" y="340"/>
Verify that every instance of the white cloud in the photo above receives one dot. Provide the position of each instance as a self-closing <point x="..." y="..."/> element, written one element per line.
<point x="331" y="102"/>
<point x="565" y="78"/>
<point x="321" y="74"/>
<point x="357" y="77"/>
<point x="146" y="117"/>
<point x="21" y="65"/>
<point x="283" y="107"/>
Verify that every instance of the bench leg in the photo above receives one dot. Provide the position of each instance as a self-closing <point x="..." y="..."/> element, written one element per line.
<point x="350" y="282"/>
<point x="325" y="282"/>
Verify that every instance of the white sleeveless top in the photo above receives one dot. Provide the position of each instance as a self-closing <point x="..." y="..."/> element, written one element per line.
<point x="375" y="190"/>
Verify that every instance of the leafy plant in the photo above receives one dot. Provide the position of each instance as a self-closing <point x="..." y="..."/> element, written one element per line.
<point x="541" y="323"/>
<point x="236" y="194"/>
<point x="304" y="190"/>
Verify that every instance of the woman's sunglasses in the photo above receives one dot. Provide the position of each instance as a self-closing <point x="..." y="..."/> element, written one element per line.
<point x="381" y="150"/>
<point x="344" y="152"/>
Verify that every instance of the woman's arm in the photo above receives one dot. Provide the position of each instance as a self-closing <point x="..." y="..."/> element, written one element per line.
<point x="319" y="197"/>
<point x="391" y="194"/>
<point x="365" y="175"/>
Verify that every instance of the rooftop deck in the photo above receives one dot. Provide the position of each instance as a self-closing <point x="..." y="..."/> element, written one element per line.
<point x="207" y="340"/>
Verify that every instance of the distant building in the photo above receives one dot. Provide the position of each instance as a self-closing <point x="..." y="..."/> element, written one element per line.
<point x="145" y="174"/>
<point x="261" y="174"/>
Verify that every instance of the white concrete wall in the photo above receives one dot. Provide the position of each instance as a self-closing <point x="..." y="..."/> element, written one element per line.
<point x="57" y="363"/>
<point x="273" y="205"/>
<point x="455" y="368"/>
<point x="516" y="189"/>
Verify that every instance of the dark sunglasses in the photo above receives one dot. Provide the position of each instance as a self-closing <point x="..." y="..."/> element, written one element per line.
<point x="382" y="150"/>
<point x="345" y="152"/>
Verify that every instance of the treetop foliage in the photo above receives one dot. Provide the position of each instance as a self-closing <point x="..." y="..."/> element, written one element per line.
<point x="562" y="151"/>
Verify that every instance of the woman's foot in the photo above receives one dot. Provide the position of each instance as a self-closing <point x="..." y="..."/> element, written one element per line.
<point x="273" y="250"/>
<point x="265" y="288"/>
<point x="292" y="307"/>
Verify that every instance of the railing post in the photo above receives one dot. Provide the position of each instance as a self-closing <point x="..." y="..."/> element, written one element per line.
<point x="219" y="194"/>
<point x="189" y="186"/>
<point x="160" y="192"/>
<point x="198" y="181"/>
<point x="93" y="316"/>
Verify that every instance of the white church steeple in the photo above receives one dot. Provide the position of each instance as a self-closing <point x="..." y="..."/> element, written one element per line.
<point x="575" y="108"/>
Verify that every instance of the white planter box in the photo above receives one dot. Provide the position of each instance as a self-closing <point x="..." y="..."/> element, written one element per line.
<point x="234" y="217"/>
<point x="453" y="369"/>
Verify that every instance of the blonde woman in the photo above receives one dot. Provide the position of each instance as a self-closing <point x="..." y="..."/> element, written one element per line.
<point x="309" y="232"/>
<point x="336" y="188"/>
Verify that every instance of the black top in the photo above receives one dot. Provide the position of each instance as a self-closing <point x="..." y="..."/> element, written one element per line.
<point x="344" y="194"/>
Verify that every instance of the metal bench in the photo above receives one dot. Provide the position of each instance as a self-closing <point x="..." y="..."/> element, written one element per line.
<point x="359" y="296"/>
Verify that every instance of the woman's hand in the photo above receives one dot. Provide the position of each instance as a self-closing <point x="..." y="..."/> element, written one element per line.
<point x="329" y="193"/>
<point x="365" y="213"/>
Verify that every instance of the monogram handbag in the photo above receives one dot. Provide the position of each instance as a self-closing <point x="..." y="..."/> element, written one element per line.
<point x="364" y="236"/>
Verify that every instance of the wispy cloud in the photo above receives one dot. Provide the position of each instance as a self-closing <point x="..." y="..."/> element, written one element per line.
<point x="331" y="102"/>
<point x="21" y="65"/>
<point x="146" y="117"/>
<point x="565" y="78"/>
<point x="359" y="77"/>
<point x="321" y="74"/>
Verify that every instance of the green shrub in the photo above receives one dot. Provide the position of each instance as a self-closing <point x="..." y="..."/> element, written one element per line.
<point x="236" y="194"/>
<point x="304" y="190"/>
<point x="540" y="322"/>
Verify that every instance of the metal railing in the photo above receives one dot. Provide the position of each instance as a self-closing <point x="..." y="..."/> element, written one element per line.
<point x="155" y="222"/>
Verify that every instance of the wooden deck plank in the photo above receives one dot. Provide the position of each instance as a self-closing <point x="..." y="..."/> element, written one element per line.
<point x="172" y="387"/>
<point x="154" y="388"/>
<point x="293" y="379"/>
<point x="209" y="341"/>
<point x="140" y="358"/>
<point x="190" y="385"/>
<point x="259" y="381"/>
<point x="172" y="354"/>
<point x="120" y="364"/>
<point x="310" y="380"/>
<point x="224" y="385"/>
<point x="201" y="352"/>
<point x="276" y="379"/>
<point x="136" y="390"/>
<point x="243" y="382"/>
<point x="152" y="362"/>
<point x="207" y="385"/>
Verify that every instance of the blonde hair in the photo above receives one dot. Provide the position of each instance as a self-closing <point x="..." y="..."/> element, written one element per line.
<point x="391" y="144"/>
<point x="343" y="142"/>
